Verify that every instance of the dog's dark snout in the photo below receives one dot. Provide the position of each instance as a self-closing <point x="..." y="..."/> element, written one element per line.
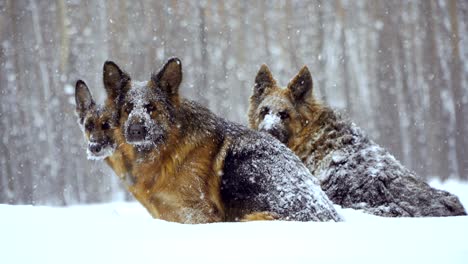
<point x="137" y="131"/>
<point x="95" y="148"/>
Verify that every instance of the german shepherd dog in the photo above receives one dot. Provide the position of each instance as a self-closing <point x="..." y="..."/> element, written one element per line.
<point x="191" y="166"/>
<point x="100" y="126"/>
<point x="353" y="170"/>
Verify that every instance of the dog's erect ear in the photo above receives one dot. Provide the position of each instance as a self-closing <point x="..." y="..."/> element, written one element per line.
<point x="84" y="100"/>
<point x="301" y="85"/>
<point x="115" y="80"/>
<point x="169" y="77"/>
<point x="263" y="80"/>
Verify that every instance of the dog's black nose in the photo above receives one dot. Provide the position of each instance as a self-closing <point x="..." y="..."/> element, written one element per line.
<point x="95" y="148"/>
<point x="137" y="132"/>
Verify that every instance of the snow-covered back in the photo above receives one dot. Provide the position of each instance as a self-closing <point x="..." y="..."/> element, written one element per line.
<point x="355" y="172"/>
<point x="257" y="162"/>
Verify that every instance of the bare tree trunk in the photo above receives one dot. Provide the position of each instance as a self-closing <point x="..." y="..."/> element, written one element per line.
<point x="461" y="140"/>
<point x="347" y="85"/>
<point x="438" y="120"/>
<point x="201" y="90"/>
<point x="291" y="40"/>
<point x="388" y="120"/>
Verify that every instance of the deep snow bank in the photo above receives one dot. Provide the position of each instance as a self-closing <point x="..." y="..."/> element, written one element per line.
<point x="124" y="233"/>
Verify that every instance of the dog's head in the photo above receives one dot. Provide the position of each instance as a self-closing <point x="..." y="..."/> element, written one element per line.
<point x="276" y="110"/>
<point x="147" y="108"/>
<point x="97" y="123"/>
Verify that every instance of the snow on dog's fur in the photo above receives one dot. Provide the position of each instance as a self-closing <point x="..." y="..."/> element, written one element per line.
<point x="96" y="123"/>
<point x="353" y="170"/>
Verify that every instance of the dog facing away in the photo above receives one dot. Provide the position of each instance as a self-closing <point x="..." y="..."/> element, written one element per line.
<point x="353" y="170"/>
<point x="194" y="167"/>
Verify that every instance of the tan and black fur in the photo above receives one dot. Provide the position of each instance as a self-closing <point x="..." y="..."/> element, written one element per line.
<point x="353" y="170"/>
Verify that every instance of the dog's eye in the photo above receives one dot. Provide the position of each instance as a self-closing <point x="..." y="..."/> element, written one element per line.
<point x="149" y="108"/>
<point x="128" y="108"/>
<point x="283" y="115"/>
<point x="89" y="126"/>
<point x="264" y="111"/>
<point x="105" y="125"/>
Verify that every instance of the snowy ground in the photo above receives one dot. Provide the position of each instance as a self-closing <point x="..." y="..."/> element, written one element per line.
<point x="124" y="233"/>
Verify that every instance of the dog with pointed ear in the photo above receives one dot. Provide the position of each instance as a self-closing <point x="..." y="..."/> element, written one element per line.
<point x="96" y="123"/>
<point x="279" y="111"/>
<point x="339" y="154"/>
<point x="264" y="82"/>
<point x="300" y="87"/>
<point x="116" y="83"/>
<point x="83" y="100"/>
<point x="168" y="79"/>
<point x="147" y="108"/>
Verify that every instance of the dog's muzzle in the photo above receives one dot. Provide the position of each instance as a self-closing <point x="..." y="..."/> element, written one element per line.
<point x="95" y="148"/>
<point x="271" y="124"/>
<point x="98" y="151"/>
<point x="136" y="133"/>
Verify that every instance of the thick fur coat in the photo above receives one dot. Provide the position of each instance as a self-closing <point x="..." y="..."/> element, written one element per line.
<point x="354" y="171"/>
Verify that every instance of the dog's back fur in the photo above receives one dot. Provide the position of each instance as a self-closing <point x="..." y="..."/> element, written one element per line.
<point x="353" y="170"/>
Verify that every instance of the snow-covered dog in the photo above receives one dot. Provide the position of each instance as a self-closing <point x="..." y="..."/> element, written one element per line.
<point x="96" y="123"/>
<point x="353" y="170"/>
<point x="194" y="167"/>
<point x="101" y="131"/>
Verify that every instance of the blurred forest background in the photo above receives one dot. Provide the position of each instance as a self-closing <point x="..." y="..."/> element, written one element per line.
<point x="399" y="69"/>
